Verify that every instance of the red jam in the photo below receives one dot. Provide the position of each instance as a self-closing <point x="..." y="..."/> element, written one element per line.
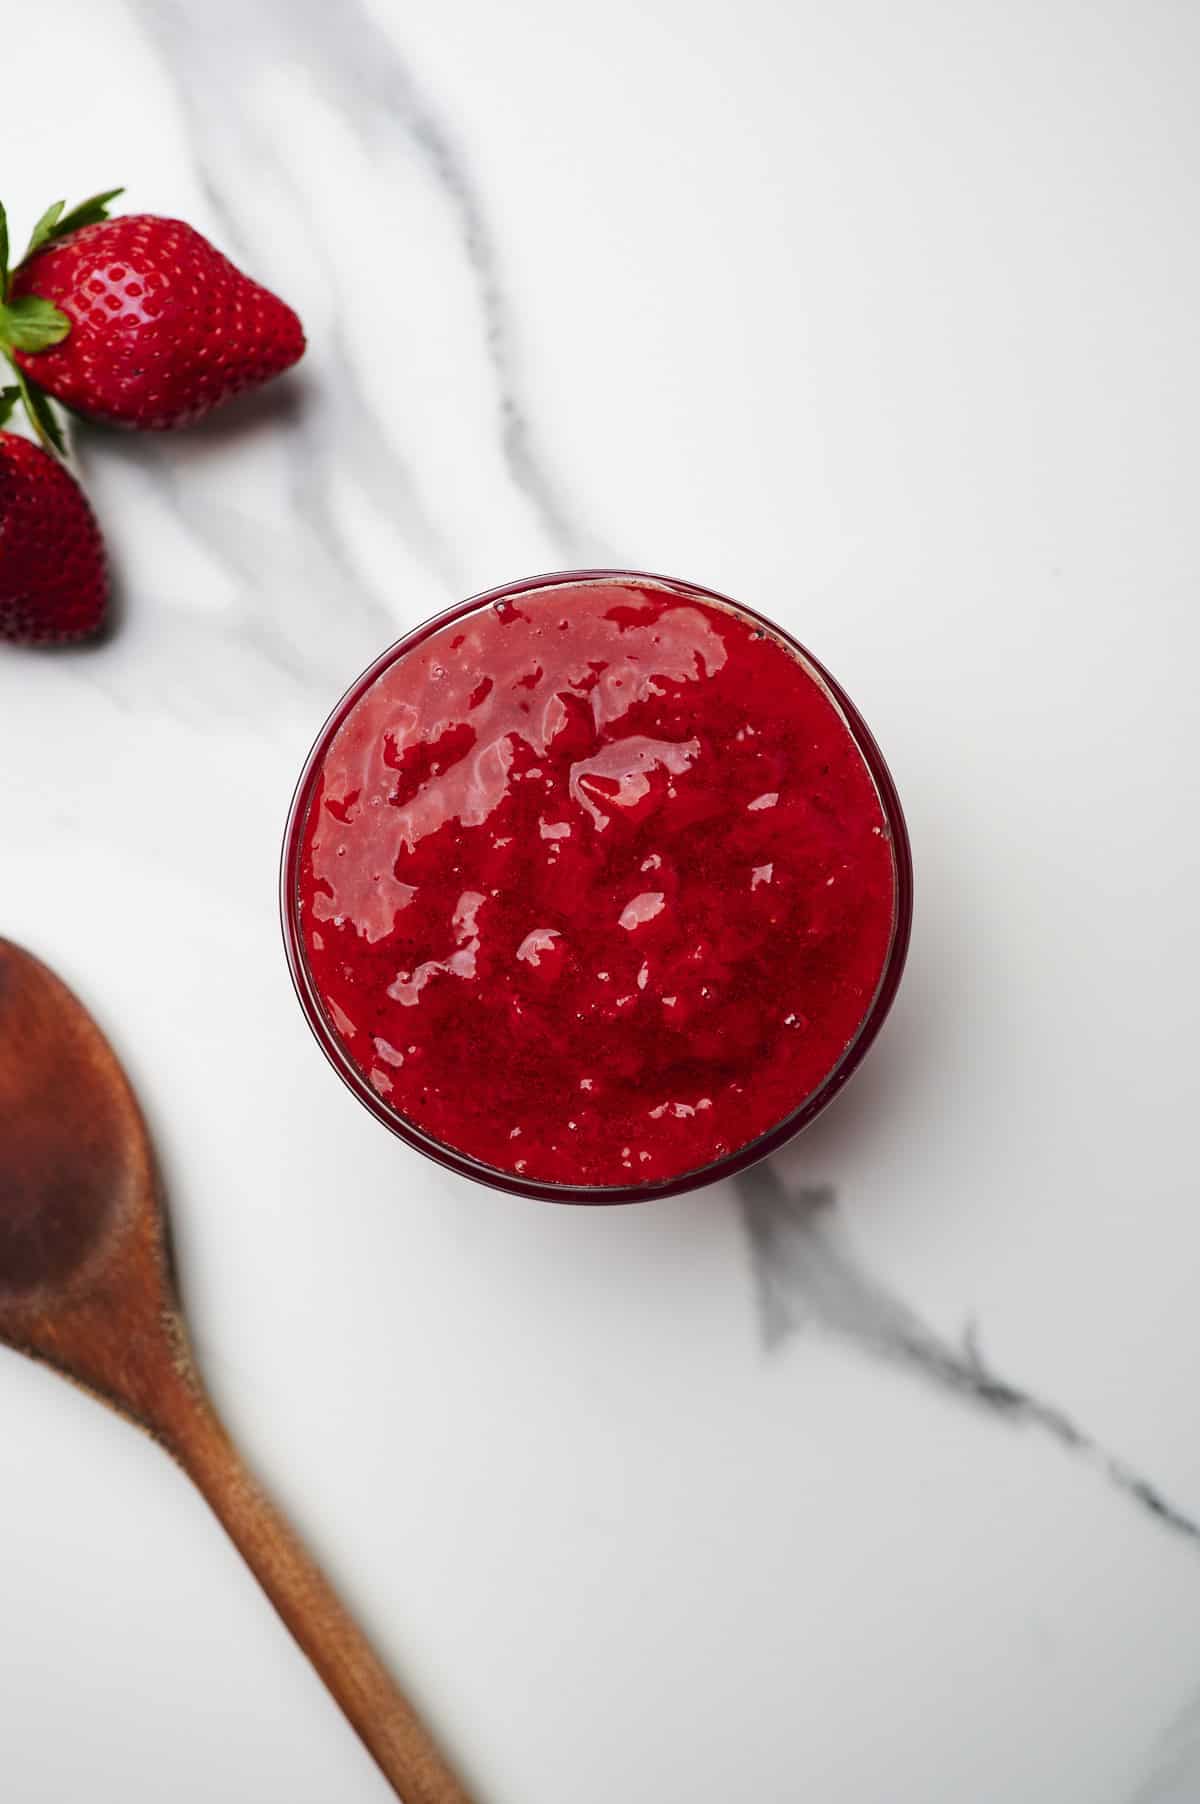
<point x="595" y="885"/>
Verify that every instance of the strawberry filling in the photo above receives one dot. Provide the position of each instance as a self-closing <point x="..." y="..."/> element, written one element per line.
<point x="595" y="885"/>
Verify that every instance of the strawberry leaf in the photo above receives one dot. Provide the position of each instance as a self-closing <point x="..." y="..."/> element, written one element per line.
<point x="8" y="400"/>
<point x="41" y="414"/>
<point x="44" y="230"/>
<point x="88" y="212"/>
<point x="32" y="324"/>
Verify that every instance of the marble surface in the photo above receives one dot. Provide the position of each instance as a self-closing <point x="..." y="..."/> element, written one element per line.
<point x="876" y="1478"/>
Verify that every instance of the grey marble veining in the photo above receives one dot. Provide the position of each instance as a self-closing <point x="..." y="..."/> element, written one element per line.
<point x="1173" y="1769"/>
<point x="807" y="1276"/>
<point x="360" y="70"/>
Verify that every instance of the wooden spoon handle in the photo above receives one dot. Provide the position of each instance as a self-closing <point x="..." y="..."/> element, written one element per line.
<point x="394" y="1735"/>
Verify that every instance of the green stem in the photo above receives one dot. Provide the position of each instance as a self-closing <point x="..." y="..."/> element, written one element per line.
<point x="38" y="411"/>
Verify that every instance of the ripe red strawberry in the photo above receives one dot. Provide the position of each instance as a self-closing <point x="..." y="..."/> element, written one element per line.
<point x="140" y="321"/>
<point x="53" y="585"/>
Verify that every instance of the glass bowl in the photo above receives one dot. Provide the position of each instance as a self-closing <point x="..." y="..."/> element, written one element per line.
<point x="807" y="1107"/>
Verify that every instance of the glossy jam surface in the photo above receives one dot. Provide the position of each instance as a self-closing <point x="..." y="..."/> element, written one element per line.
<point x="595" y="886"/>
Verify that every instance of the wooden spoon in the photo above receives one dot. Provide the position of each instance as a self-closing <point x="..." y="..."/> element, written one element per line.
<point x="86" y="1284"/>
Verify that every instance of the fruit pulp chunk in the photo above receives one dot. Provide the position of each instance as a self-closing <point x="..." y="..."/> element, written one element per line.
<point x="595" y="884"/>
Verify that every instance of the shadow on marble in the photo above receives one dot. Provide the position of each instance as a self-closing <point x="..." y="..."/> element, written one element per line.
<point x="280" y="406"/>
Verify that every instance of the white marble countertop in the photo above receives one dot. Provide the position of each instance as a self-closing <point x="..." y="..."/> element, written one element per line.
<point x="876" y="1480"/>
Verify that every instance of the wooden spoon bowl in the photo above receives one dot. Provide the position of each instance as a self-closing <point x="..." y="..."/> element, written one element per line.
<point x="87" y="1286"/>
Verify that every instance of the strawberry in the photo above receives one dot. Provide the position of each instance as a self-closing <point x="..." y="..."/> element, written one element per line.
<point x="53" y="586"/>
<point x="138" y="321"/>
